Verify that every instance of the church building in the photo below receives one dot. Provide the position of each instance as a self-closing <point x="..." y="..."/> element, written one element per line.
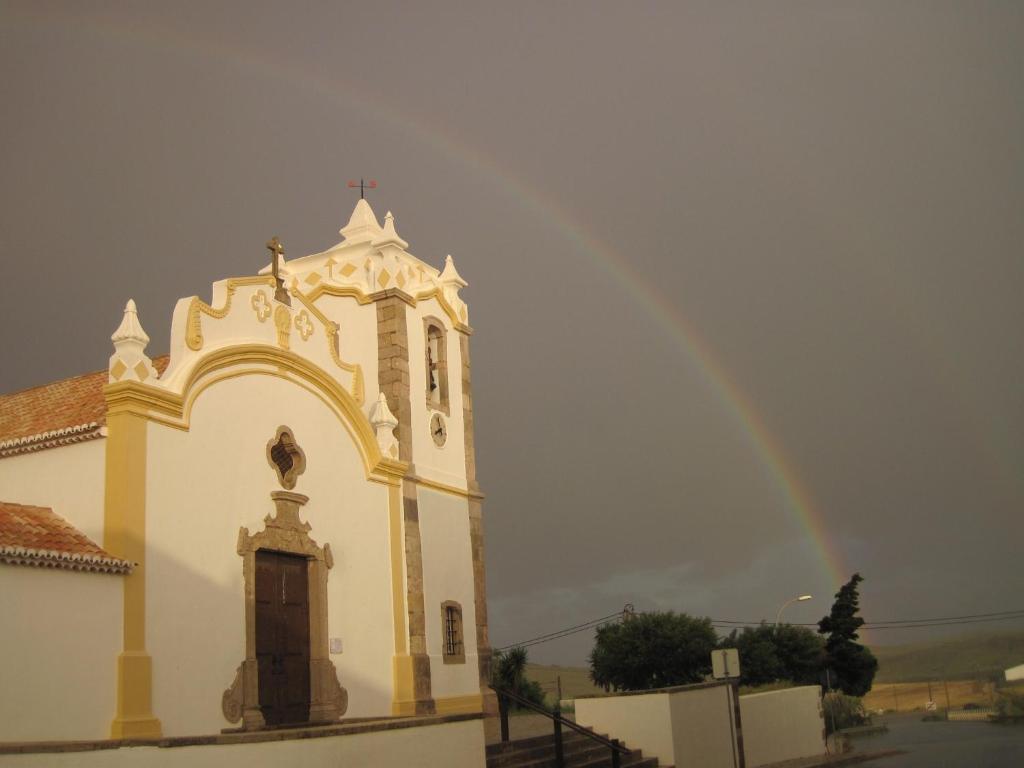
<point x="278" y="523"/>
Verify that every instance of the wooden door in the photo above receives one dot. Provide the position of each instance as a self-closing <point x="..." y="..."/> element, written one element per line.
<point x="282" y="636"/>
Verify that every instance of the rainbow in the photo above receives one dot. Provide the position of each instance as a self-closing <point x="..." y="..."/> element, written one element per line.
<point x="681" y="330"/>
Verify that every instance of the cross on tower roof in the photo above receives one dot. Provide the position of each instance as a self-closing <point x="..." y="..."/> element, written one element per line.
<point x="362" y="186"/>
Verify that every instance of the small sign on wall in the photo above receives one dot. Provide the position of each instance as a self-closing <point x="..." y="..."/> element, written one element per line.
<point x="335" y="645"/>
<point x="725" y="664"/>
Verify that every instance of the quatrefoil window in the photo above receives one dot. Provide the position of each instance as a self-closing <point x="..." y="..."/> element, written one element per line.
<point x="285" y="456"/>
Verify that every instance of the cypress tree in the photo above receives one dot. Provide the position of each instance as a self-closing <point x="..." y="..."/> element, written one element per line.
<point x="852" y="665"/>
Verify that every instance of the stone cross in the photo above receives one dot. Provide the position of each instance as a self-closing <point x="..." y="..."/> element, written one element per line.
<point x="276" y="252"/>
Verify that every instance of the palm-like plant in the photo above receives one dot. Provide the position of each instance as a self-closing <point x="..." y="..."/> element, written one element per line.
<point x="508" y="672"/>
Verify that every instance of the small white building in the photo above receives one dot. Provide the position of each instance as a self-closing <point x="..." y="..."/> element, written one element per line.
<point x="1015" y="673"/>
<point x="278" y="523"/>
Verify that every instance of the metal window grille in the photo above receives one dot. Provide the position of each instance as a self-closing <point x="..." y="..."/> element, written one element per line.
<point x="452" y="631"/>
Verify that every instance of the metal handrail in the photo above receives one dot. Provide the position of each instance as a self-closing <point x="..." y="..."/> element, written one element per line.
<point x="556" y="717"/>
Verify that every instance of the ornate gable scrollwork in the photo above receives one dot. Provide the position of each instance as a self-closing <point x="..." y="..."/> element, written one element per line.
<point x="291" y="328"/>
<point x="197" y="308"/>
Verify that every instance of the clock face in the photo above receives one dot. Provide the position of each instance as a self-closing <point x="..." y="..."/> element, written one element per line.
<point x="438" y="430"/>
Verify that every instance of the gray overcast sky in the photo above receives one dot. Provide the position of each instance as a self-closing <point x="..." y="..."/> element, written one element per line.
<point x="705" y="243"/>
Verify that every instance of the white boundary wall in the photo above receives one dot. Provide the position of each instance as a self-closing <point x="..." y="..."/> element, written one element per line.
<point x="692" y="726"/>
<point x="688" y="727"/>
<point x="446" y="745"/>
<point x="782" y="725"/>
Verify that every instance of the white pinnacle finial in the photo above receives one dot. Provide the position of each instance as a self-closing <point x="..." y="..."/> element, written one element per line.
<point x="362" y="225"/>
<point x="389" y="235"/>
<point x="129" y="361"/>
<point x="450" y="275"/>
<point x="130" y="328"/>
<point x="384" y="422"/>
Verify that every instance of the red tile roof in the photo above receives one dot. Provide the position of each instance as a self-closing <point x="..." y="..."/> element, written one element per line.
<point x="36" y="536"/>
<point x="59" y="407"/>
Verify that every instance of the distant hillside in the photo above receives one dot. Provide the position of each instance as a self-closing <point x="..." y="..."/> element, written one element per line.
<point x="575" y="680"/>
<point x="975" y="657"/>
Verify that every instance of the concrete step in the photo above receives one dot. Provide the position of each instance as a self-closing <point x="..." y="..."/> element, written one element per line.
<point x="579" y="752"/>
<point x="547" y="739"/>
<point x="604" y="760"/>
<point x="513" y="752"/>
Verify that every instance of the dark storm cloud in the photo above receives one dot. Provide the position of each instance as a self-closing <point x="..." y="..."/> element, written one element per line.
<point x="830" y="194"/>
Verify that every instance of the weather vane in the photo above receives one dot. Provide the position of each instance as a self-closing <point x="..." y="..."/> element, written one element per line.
<point x="362" y="186"/>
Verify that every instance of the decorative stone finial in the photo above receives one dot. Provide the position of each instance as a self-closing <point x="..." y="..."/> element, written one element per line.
<point x="129" y="361"/>
<point x="384" y="422"/>
<point x="363" y="226"/>
<point x="450" y="275"/>
<point x="389" y="236"/>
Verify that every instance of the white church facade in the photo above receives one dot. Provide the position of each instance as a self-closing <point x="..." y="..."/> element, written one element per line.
<point x="279" y="523"/>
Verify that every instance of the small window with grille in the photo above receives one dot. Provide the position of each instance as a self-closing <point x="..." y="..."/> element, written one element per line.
<point x="451" y="625"/>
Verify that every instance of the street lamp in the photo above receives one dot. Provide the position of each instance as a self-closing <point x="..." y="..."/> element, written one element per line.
<point x="798" y="599"/>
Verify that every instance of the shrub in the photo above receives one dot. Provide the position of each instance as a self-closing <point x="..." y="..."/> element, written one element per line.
<point x="842" y="711"/>
<point x="1010" y="705"/>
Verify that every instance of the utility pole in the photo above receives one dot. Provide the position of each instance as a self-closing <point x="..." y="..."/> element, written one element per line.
<point x="832" y="708"/>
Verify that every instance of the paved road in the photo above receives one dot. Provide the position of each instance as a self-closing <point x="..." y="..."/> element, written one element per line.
<point x="945" y="745"/>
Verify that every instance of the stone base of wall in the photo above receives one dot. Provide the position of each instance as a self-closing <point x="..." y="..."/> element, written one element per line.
<point x="445" y="741"/>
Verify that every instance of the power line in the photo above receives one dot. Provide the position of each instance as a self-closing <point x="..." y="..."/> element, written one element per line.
<point x="953" y="618"/>
<point x="567" y="634"/>
<point x="897" y="623"/>
<point x="584" y="625"/>
<point x="942" y="621"/>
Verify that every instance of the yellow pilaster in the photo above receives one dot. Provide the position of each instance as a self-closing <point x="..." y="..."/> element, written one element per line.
<point x="404" y="691"/>
<point x="124" y="535"/>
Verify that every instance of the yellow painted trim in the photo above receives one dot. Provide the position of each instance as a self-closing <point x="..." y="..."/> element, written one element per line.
<point x="404" y="689"/>
<point x="351" y="291"/>
<point x="124" y="536"/>
<point x="458" y="705"/>
<point x="133" y="397"/>
<point x="174" y="410"/>
<point x="321" y="289"/>
<point x="444" y="487"/>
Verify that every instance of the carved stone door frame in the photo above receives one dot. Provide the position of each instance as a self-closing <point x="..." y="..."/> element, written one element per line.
<point x="285" y="532"/>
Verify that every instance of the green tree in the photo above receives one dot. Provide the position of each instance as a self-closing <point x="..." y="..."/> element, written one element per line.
<point x="801" y="653"/>
<point x="852" y="666"/>
<point x="652" y="650"/>
<point x="785" y="652"/>
<point x="508" y="671"/>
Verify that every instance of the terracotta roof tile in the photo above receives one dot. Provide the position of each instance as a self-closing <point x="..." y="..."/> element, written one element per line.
<point x="36" y="536"/>
<point x="57" y="406"/>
